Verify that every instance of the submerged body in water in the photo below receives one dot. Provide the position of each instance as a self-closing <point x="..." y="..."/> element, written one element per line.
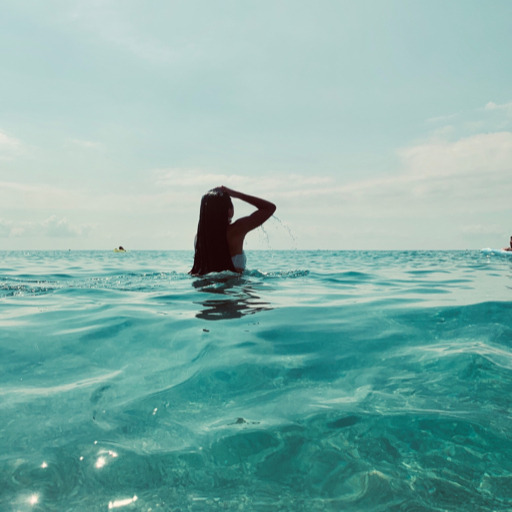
<point x="316" y="380"/>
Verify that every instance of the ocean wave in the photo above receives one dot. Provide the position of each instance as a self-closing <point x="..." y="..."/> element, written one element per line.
<point x="353" y="381"/>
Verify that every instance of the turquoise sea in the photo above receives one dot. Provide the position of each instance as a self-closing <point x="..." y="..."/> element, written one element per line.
<point x="316" y="381"/>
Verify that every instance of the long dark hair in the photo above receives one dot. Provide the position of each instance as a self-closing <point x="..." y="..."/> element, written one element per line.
<point x="212" y="251"/>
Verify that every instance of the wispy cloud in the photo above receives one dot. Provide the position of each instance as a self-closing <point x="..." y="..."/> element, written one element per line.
<point x="183" y="178"/>
<point x="34" y="196"/>
<point x="52" y="227"/>
<point x="187" y="178"/>
<point x="437" y="180"/>
<point x="9" y="146"/>
<point x="488" y="119"/>
<point x="87" y="144"/>
<point x="111" y="26"/>
<point x="8" y="142"/>
<point x="506" y="107"/>
<point x="490" y="152"/>
<point x="472" y="175"/>
<point x="482" y="229"/>
<point x="442" y="119"/>
<point x="429" y="169"/>
<point x="436" y="172"/>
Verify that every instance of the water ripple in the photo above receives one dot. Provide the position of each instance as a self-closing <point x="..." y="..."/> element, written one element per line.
<point x="316" y="381"/>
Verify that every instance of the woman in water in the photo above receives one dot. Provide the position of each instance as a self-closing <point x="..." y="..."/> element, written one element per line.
<point x="220" y="243"/>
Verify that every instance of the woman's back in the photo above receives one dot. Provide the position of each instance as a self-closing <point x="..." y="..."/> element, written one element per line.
<point x="219" y="244"/>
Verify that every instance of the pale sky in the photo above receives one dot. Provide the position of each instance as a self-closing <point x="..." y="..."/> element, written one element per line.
<point x="372" y="124"/>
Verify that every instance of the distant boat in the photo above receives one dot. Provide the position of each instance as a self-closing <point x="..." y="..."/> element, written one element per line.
<point x="120" y="249"/>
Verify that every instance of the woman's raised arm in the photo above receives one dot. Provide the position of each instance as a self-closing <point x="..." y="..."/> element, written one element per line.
<point x="265" y="209"/>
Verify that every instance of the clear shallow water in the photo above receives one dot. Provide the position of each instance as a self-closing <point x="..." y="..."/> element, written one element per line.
<point x="358" y="381"/>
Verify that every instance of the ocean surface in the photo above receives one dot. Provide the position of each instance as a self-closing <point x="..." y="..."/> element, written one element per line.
<point x="316" y="381"/>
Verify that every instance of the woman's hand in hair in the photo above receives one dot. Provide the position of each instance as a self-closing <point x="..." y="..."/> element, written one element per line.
<point x="261" y="204"/>
<point x="228" y="191"/>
